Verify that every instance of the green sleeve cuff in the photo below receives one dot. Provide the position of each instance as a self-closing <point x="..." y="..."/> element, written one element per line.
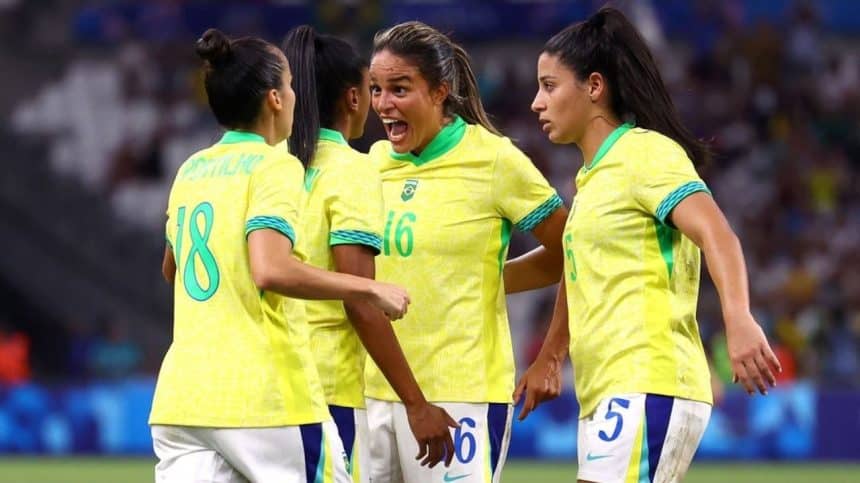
<point x="355" y="237"/>
<point x="672" y="199"/>
<point x="539" y="214"/>
<point x="271" y="222"/>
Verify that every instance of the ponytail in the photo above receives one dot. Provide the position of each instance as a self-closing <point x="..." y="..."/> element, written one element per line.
<point x="466" y="100"/>
<point x="300" y="51"/>
<point x="609" y="44"/>
<point x="324" y="67"/>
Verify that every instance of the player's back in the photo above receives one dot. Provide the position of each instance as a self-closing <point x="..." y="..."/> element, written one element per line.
<point x="239" y="355"/>
<point x="342" y="206"/>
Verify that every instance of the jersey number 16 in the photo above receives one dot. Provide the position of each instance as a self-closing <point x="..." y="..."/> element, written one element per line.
<point x="404" y="240"/>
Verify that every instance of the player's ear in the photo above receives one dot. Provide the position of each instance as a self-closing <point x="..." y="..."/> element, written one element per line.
<point x="273" y="100"/>
<point x="439" y="93"/>
<point x="351" y="99"/>
<point x="596" y="85"/>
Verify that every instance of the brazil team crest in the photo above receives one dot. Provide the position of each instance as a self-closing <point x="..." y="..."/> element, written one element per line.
<point x="409" y="189"/>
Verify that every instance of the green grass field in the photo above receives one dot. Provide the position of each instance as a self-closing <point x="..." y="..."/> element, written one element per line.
<point x="36" y="470"/>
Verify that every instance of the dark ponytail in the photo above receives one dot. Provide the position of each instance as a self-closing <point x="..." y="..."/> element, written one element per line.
<point x="238" y="74"/>
<point x="324" y="67"/>
<point x="439" y="60"/>
<point x="609" y="44"/>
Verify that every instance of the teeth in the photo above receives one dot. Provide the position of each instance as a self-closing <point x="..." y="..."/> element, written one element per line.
<point x="390" y="121"/>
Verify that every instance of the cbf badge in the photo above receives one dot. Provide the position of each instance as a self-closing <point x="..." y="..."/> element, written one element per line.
<point x="409" y="189"/>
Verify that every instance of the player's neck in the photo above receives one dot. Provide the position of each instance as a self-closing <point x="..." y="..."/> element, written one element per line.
<point x="342" y="125"/>
<point x="599" y="128"/>
<point x="265" y="126"/>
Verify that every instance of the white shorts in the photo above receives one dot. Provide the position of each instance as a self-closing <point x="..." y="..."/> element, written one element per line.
<point x="641" y="438"/>
<point x="352" y="428"/>
<point x="481" y="444"/>
<point x="289" y="454"/>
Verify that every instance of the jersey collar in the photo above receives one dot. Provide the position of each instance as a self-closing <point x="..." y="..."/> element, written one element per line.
<point x="608" y="143"/>
<point x="332" y="135"/>
<point x="445" y="141"/>
<point x="233" y="137"/>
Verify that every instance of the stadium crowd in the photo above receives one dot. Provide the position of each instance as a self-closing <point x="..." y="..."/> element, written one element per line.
<point x="780" y="103"/>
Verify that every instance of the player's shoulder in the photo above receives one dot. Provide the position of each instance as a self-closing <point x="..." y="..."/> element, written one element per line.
<point x="479" y="137"/>
<point x="341" y="164"/>
<point x="647" y="141"/>
<point x="380" y="151"/>
<point x="278" y="157"/>
<point x="497" y="149"/>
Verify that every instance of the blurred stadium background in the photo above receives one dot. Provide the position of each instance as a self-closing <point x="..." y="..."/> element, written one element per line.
<point x="102" y="100"/>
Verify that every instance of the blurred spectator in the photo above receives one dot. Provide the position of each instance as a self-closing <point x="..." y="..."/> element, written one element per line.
<point x="113" y="354"/>
<point x="14" y="355"/>
<point x="80" y="345"/>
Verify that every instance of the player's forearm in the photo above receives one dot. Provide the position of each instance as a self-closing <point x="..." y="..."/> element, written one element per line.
<point x="556" y="344"/>
<point x="290" y="277"/>
<point x="378" y="338"/>
<point x="725" y="261"/>
<point x="536" y="269"/>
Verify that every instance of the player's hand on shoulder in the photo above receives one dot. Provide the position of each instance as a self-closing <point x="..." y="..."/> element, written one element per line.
<point x="753" y="361"/>
<point x="391" y="299"/>
<point x="431" y="427"/>
<point x="541" y="382"/>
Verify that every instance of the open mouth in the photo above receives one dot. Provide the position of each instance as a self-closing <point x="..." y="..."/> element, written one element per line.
<point x="396" y="129"/>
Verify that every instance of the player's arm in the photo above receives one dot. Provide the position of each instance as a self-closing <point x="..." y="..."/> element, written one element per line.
<point x="542" y="266"/>
<point x="700" y="219"/>
<point x="542" y="380"/>
<point x="429" y="423"/>
<point x="274" y="269"/>
<point x="168" y="265"/>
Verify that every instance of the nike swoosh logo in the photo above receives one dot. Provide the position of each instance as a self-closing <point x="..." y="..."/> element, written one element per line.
<point x="593" y="457"/>
<point x="455" y="478"/>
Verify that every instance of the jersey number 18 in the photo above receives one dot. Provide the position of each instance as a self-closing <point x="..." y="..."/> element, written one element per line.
<point x="199" y="250"/>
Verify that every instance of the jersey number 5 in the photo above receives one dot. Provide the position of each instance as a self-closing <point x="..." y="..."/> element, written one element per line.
<point x="568" y="252"/>
<point x="199" y="250"/>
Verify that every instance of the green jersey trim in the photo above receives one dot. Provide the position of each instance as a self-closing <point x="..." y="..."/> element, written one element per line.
<point x="272" y="222"/>
<point x="445" y="141"/>
<point x="310" y="176"/>
<point x="355" y="237"/>
<point x="233" y="137"/>
<point x="332" y="135"/>
<point x="607" y="144"/>
<point x="506" y="240"/>
<point x="666" y="240"/>
<point x="672" y="199"/>
<point x="539" y="214"/>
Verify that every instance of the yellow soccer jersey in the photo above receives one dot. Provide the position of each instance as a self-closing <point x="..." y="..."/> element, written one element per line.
<point x="342" y="206"/>
<point x="239" y="356"/>
<point x="632" y="279"/>
<point x="449" y="214"/>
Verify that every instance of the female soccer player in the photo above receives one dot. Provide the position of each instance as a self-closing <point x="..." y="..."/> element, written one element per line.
<point x="238" y="397"/>
<point x="342" y="219"/>
<point x="453" y="189"/>
<point x="627" y="308"/>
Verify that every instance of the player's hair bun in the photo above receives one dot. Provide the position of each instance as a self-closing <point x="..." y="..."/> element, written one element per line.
<point x="213" y="46"/>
